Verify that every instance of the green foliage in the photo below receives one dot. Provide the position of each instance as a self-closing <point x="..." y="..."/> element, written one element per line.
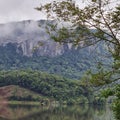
<point x="51" y="86"/>
<point x="116" y="109"/>
<point x="98" y="15"/>
<point x="94" y="23"/>
<point x="117" y="92"/>
<point x="99" y="100"/>
<point x="107" y="92"/>
<point x="71" y="64"/>
<point x="116" y="104"/>
<point x="99" y="77"/>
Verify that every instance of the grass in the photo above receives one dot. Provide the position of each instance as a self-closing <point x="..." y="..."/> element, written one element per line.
<point x="23" y="103"/>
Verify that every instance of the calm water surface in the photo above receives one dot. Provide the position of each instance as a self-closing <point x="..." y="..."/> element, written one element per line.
<point x="30" y="112"/>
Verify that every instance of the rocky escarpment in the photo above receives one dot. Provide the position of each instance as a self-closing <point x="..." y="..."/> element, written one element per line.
<point x="31" y="37"/>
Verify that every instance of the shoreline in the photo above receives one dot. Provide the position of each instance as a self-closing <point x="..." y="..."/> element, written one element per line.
<point x="20" y="102"/>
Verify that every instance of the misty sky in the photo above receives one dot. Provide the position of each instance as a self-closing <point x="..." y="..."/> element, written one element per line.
<point x="17" y="10"/>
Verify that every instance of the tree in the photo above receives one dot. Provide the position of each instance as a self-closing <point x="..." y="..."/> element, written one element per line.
<point x="97" y="22"/>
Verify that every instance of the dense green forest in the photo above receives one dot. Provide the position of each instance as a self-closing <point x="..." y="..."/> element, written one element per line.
<point x="72" y="64"/>
<point x="48" y="85"/>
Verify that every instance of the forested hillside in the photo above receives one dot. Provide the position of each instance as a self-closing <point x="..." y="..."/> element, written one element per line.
<point x="72" y="64"/>
<point x="47" y="85"/>
<point x="28" y="46"/>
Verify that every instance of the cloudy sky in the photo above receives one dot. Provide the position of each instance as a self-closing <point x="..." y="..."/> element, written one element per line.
<point x="17" y="10"/>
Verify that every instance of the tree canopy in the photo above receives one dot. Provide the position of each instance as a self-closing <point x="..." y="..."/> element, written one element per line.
<point x="98" y="21"/>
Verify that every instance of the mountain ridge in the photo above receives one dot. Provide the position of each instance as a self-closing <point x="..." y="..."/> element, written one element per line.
<point x="26" y="44"/>
<point x="29" y="35"/>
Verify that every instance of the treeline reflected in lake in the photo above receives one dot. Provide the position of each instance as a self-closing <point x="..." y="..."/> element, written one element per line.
<point x="32" y="112"/>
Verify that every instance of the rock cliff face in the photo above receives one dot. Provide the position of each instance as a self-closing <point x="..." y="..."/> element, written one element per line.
<point x="31" y="37"/>
<point x="26" y="45"/>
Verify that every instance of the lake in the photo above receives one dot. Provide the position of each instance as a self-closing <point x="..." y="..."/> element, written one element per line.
<point x="35" y="112"/>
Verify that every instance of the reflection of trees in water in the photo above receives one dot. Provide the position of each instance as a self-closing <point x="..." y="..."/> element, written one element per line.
<point x="4" y="111"/>
<point x="103" y="113"/>
<point x="82" y="112"/>
<point x="61" y="113"/>
<point x="10" y="112"/>
<point x="71" y="113"/>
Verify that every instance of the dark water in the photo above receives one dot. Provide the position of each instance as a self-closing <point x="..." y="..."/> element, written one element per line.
<point x="29" y="112"/>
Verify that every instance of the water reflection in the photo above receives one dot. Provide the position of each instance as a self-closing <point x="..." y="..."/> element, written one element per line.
<point x="29" y="112"/>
